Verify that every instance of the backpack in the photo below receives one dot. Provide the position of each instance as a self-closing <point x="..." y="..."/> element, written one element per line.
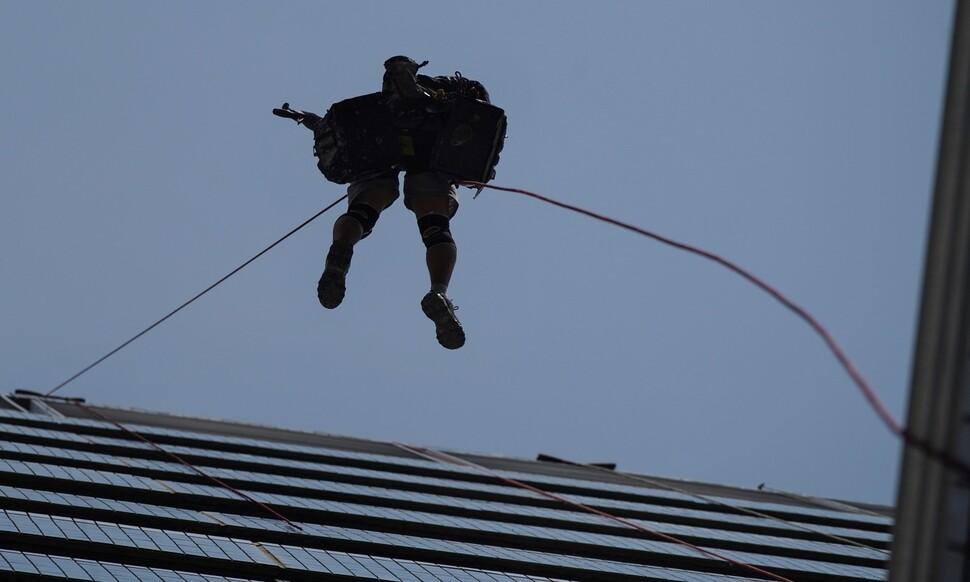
<point x="443" y="124"/>
<point x="454" y="85"/>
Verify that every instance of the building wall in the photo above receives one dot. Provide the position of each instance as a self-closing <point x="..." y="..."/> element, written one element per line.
<point x="108" y="494"/>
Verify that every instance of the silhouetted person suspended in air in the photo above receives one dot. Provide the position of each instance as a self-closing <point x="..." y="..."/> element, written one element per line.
<point x="439" y="131"/>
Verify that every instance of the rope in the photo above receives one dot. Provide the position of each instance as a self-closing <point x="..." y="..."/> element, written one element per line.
<point x="917" y="442"/>
<point x="439" y="456"/>
<point x="840" y="355"/>
<point x="738" y="508"/>
<point x="820" y="502"/>
<point x="190" y="466"/>
<point x="187" y="303"/>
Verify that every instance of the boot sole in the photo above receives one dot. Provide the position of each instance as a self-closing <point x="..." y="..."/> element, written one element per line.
<point x="447" y="327"/>
<point x="331" y="289"/>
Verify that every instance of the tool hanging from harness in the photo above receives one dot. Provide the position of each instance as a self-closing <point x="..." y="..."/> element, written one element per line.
<point x="415" y="123"/>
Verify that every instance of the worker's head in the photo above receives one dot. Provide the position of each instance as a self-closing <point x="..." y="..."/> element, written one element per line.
<point x="400" y="85"/>
<point x="401" y="61"/>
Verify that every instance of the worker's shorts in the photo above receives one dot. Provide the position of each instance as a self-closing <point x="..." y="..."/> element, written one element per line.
<point x="415" y="185"/>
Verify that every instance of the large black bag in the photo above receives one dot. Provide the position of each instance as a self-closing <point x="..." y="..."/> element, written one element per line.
<point x="356" y="140"/>
<point x="360" y="138"/>
<point x="416" y="123"/>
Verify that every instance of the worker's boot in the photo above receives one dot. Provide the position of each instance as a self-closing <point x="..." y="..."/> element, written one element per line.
<point x="441" y="311"/>
<point x="332" y="285"/>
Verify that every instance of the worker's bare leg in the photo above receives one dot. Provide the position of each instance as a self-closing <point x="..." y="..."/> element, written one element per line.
<point x="348" y="229"/>
<point x="433" y="213"/>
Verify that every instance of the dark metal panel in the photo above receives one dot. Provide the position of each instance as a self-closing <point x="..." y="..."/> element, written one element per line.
<point x="933" y="501"/>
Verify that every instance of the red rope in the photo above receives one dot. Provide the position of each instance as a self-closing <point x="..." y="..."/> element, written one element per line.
<point x="710" y="553"/>
<point x="840" y="355"/>
<point x="920" y="443"/>
<point x="192" y="467"/>
<point x="713" y="501"/>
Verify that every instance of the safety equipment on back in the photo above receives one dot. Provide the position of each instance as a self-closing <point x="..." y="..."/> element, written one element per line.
<point x="416" y="123"/>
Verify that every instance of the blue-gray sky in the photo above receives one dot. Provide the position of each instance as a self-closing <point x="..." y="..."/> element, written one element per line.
<point x="139" y="162"/>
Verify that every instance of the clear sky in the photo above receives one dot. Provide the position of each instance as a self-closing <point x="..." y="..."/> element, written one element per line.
<point x="140" y="162"/>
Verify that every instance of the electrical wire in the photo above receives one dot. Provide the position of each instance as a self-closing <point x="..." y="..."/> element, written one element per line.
<point x="187" y="303"/>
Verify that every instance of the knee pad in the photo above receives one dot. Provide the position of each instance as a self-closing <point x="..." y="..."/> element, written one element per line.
<point x="365" y="215"/>
<point x="435" y="230"/>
